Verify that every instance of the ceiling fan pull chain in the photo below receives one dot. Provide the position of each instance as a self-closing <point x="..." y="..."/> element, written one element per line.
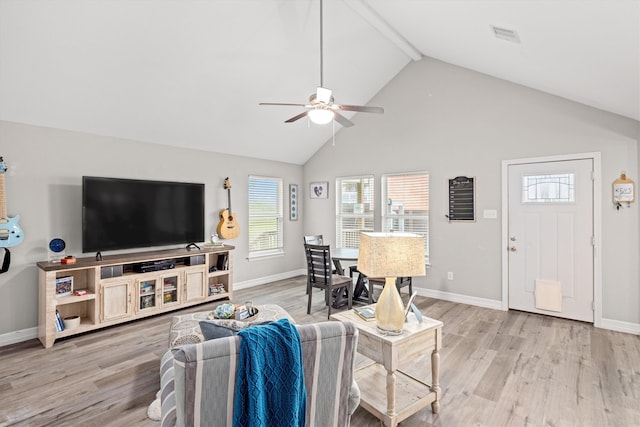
<point x="333" y="123"/>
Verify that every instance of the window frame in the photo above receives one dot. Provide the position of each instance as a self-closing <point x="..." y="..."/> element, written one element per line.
<point x="366" y="216"/>
<point x="278" y="248"/>
<point x="385" y="215"/>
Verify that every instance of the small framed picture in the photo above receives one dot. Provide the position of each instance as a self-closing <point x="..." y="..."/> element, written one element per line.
<point x="319" y="190"/>
<point x="293" y="202"/>
<point x="64" y="286"/>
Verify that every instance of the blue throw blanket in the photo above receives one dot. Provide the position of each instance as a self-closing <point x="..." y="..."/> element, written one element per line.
<point x="270" y="381"/>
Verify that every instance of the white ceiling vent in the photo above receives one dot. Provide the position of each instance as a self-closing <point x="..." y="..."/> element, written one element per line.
<point x="505" y="34"/>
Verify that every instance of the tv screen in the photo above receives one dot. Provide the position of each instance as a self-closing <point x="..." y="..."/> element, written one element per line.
<point x="128" y="213"/>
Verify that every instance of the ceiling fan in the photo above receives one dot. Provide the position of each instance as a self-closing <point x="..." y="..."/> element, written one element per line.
<point x="321" y="108"/>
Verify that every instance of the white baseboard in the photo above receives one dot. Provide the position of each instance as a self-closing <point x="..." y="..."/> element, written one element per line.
<point x="619" y="326"/>
<point x="613" y="325"/>
<point x="18" y="336"/>
<point x="268" y="279"/>
<point x="463" y="299"/>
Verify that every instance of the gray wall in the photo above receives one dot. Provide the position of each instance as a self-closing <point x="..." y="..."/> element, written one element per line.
<point x="44" y="186"/>
<point x="452" y="121"/>
<point x="440" y="118"/>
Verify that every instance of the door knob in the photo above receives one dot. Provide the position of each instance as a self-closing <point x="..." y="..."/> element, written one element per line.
<point x="512" y="238"/>
<point x="512" y="248"/>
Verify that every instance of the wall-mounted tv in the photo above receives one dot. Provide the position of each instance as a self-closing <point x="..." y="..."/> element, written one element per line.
<point x="129" y="213"/>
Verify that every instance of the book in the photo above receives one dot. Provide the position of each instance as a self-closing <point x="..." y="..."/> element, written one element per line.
<point x="64" y="286"/>
<point x="365" y="313"/>
<point x="59" y="324"/>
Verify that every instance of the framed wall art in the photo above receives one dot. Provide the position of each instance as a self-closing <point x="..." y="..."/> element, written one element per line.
<point x="293" y="202"/>
<point x="319" y="190"/>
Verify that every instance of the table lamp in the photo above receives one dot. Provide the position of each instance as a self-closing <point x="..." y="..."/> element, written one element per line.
<point x="391" y="255"/>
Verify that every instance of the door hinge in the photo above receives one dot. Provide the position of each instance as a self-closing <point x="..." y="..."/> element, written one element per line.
<point x="593" y="306"/>
<point x="593" y="240"/>
<point x="593" y="175"/>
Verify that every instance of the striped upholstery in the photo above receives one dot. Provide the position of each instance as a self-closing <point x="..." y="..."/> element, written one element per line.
<point x="167" y="392"/>
<point x="204" y="378"/>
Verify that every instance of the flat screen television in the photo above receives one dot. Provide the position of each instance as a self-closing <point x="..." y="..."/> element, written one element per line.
<point x="129" y="213"/>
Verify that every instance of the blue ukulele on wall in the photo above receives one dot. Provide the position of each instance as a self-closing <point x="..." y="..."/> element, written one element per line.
<point x="10" y="232"/>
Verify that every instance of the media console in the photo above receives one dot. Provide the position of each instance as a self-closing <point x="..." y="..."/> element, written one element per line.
<point x="120" y="288"/>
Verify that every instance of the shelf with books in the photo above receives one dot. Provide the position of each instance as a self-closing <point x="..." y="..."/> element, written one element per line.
<point x="84" y="307"/>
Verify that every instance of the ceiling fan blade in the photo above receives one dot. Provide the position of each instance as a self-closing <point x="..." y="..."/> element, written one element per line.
<point x="360" y="108"/>
<point x="342" y="120"/>
<point x="298" y="117"/>
<point x="281" y="103"/>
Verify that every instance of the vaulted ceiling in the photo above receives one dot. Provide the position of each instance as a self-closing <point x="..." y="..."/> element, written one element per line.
<point x="191" y="73"/>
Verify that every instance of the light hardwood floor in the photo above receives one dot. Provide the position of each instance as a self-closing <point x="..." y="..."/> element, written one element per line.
<point x="497" y="369"/>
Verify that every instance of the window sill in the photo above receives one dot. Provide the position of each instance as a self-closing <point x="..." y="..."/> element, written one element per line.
<point x="265" y="255"/>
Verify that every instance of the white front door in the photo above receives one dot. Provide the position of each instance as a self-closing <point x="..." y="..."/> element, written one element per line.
<point x="550" y="238"/>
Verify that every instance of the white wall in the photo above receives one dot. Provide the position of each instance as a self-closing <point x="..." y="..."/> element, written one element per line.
<point x="44" y="186"/>
<point x="452" y="121"/>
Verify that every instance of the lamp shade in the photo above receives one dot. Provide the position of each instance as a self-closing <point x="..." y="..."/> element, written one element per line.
<point x="391" y="255"/>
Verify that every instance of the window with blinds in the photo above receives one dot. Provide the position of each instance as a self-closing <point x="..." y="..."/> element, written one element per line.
<point x="405" y="204"/>
<point x="265" y="217"/>
<point x="354" y="209"/>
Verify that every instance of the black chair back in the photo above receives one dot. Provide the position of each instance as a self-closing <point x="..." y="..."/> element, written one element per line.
<point x="313" y="239"/>
<point x="318" y="264"/>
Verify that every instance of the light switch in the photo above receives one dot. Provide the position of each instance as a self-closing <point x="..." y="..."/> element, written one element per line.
<point x="490" y="214"/>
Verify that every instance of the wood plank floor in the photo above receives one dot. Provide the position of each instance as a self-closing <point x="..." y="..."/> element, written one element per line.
<point x="497" y="369"/>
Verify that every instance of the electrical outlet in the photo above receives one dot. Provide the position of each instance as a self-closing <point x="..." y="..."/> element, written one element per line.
<point x="450" y="275"/>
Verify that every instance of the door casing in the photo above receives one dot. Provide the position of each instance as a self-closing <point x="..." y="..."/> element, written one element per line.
<point x="597" y="225"/>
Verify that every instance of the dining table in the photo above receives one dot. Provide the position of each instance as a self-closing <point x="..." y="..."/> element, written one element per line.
<point x="360" y="292"/>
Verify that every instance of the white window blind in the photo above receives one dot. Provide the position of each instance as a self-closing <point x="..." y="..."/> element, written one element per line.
<point x="265" y="216"/>
<point x="405" y="204"/>
<point x="354" y="209"/>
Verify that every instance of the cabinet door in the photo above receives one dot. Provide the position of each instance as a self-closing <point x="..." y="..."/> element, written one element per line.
<point x="170" y="290"/>
<point x="194" y="285"/>
<point x="146" y="291"/>
<point x="116" y="300"/>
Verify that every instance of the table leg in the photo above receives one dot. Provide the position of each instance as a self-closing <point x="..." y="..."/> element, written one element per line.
<point x="360" y="288"/>
<point x="435" y="380"/>
<point x="391" y="393"/>
<point x="338" y="265"/>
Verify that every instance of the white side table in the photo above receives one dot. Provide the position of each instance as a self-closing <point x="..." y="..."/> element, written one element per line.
<point x="405" y="395"/>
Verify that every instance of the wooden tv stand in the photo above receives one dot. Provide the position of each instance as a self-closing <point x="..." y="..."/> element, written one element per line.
<point x="124" y="287"/>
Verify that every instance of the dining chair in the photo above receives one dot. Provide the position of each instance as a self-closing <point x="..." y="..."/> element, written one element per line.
<point x="319" y="275"/>
<point x="401" y="282"/>
<point x="317" y="239"/>
<point x="313" y="239"/>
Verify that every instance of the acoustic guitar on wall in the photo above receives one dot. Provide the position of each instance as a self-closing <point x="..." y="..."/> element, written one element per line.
<point x="10" y="232"/>
<point x="228" y="226"/>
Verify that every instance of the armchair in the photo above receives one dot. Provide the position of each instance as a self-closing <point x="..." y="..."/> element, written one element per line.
<point x="198" y="380"/>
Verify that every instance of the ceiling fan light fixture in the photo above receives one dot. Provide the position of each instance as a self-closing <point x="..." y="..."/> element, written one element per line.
<point x="323" y="95"/>
<point x="321" y="109"/>
<point x="320" y="116"/>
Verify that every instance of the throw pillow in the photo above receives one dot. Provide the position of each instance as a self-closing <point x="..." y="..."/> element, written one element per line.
<point x="219" y="328"/>
<point x="211" y="330"/>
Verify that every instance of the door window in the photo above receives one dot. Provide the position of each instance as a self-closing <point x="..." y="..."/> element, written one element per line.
<point x="558" y="188"/>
